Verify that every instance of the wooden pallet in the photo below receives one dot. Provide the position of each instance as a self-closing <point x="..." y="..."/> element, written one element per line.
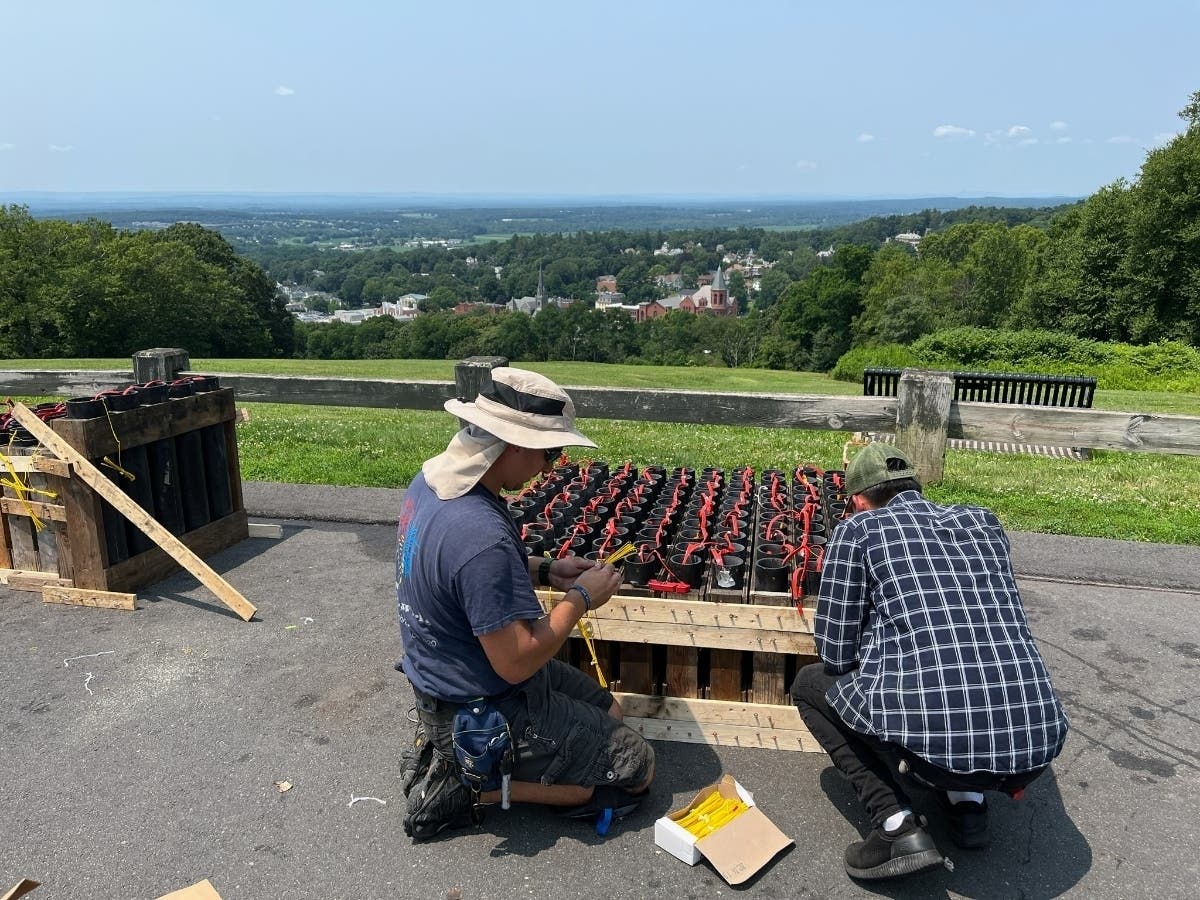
<point x="693" y="636"/>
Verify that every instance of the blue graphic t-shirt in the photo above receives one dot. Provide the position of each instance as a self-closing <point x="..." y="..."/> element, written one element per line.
<point x="461" y="571"/>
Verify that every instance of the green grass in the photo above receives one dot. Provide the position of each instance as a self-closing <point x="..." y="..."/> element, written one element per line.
<point x="1132" y="496"/>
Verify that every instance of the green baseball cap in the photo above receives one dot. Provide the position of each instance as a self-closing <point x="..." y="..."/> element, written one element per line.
<point x="876" y="464"/>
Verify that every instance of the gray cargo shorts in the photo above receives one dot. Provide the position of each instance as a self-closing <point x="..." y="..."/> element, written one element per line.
<point x="564" y="735"/>
<point x="560" y="721"/>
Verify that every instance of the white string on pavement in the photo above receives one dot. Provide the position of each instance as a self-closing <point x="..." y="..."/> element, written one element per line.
<point x="354" y="800"/>
<point x="67" y="661"/>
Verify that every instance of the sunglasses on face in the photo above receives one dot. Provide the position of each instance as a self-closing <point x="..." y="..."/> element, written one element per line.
<point x="552" y="453"/>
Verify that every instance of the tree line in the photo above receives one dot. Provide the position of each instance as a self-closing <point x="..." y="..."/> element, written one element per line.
<point x="1123" y="265"/>
<point x="87" y="290"/>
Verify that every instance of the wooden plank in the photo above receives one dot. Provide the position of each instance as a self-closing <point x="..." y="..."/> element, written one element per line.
<point x="62" y="382"/>
<point x="96" y="438"/>
<point x="50" y="512"/>
<point x="717" y="637"/>
<point x="635" y="668"/>
<point x="782" y="617"/>
<point x="724" y="735"/>
<point x="28" y="580"/>
<point x="89" y="555"/>
<point x="756" y="715"/>
<point x="383" y="393"/>
<point x="768" y="685"/>
<point x="39" y="463"/>
<point x="138" y="516"/>
<point x="23" y="552"/>
<point x="1107" y="430"/>
<point x="263" y="530"/>
<point x="682" y="674"/>
<point x="825" y="413"/>
<point x="235" y="466"/>
<point x="86" y="597"/>
<point x="725" y="675"/>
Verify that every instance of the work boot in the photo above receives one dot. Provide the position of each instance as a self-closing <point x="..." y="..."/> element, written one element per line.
<point x="889" y="854"/>
<point x="415" y="759"/>
<point x="440" y="801"/>
<point x="968" y="822"/>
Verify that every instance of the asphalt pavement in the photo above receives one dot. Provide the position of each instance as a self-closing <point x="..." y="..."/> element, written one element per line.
<point x="142" y="752"/>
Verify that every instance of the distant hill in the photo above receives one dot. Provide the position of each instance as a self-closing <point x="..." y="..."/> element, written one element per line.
<point x="250" y="219"/>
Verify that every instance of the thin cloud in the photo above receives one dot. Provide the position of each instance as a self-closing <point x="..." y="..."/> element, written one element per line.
<point x="61" y="148"/>
<point x="284" y="91"/>
<point x="865" y="138"/>
<point x="1121" y="139"/>
<point x="1059" y="125"/>
<point x="953" y="131"/>
<point x="1063" y="140"/>
<point x="805" y="164"/>
<point x="1025" y="142"/>
<point x="4" y="147"/>
<point x="1018" y="130"/>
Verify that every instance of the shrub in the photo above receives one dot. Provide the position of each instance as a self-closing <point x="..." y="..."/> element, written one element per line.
<point x="887" y="356"/>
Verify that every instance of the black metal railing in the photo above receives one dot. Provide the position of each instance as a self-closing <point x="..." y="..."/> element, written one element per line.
<point x="1075" y="391"/>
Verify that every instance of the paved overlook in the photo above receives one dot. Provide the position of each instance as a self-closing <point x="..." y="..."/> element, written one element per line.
<point x="151" y="761"/>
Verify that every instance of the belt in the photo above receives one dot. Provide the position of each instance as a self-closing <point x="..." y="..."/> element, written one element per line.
<point x="435" y="704"/>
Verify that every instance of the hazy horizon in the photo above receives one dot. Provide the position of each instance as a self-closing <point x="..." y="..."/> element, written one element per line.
<point x="536" y="100"/>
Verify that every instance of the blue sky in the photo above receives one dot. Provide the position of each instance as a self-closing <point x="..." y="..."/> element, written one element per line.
<point x="655" y="97"/>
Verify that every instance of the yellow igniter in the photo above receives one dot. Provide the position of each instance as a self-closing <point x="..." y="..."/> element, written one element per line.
<point x="619" y="554"/>
<point x="585" y="631"/>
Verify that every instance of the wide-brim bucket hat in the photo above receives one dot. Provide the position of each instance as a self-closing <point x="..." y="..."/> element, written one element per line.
<point x="523" y="408"/>
<point x="519" y="407"/>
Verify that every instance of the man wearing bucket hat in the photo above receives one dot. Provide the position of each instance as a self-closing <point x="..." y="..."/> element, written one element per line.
<point x="928" y="668"/>
<point x="476" y="639"/>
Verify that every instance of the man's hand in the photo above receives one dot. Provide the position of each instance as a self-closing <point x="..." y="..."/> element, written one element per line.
<point x="600" y="581"/>
<point x="563" y="572"/>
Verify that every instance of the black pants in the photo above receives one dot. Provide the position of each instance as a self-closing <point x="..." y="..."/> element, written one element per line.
<point x="872" y="765"/>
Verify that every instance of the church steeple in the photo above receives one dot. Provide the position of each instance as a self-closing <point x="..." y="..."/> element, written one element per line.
<point x="541" y="290"/>
<point x="720" y="293"/>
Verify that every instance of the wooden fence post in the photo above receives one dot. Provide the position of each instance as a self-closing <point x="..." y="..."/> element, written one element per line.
<point x="922" y="420"/>
<point x="474" y="373"/>
<point x="159" y="364"/>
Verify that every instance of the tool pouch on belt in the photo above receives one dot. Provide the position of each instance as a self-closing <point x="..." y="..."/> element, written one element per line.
<point x="483" y="746"/>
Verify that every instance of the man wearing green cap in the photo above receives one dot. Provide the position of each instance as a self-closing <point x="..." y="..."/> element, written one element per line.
<point x="927" y="666"/>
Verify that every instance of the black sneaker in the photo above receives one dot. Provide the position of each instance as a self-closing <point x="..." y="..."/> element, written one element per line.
<point x="440" y="801"/>
<point x="968" y="822"/>
<point x="884" y="854"/>
<point x="619" y="800"/>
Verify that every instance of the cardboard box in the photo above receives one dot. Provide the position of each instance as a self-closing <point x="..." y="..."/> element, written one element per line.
<point x="736" y="850"/>
<point x="201" y="890"/>
<point x="20" y="889"/>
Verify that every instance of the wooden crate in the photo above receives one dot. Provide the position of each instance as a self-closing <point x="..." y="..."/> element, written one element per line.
<point x="82" y="559"/>
<point x="684" y="628"/>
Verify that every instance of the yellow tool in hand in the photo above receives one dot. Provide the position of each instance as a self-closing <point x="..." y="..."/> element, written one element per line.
<point x="619" y="554"/>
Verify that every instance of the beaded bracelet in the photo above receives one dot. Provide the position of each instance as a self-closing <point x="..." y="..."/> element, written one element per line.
<point x="587" y="598"/>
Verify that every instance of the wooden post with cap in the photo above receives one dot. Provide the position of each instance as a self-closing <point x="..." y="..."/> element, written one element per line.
<point x="923" y="419"/>
<point x="474" y="373"/>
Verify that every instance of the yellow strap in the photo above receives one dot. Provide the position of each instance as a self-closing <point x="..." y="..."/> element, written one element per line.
<point x="585" y="632"/>
<point x="21" y="489"/>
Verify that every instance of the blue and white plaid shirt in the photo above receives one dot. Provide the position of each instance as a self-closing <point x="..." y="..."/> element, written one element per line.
<point x="920" y="611"/>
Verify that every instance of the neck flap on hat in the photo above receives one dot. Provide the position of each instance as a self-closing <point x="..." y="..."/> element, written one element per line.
<point x="466" y="458"/>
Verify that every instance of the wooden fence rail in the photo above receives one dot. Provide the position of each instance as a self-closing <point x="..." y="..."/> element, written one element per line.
<point x="920" y="414"/>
